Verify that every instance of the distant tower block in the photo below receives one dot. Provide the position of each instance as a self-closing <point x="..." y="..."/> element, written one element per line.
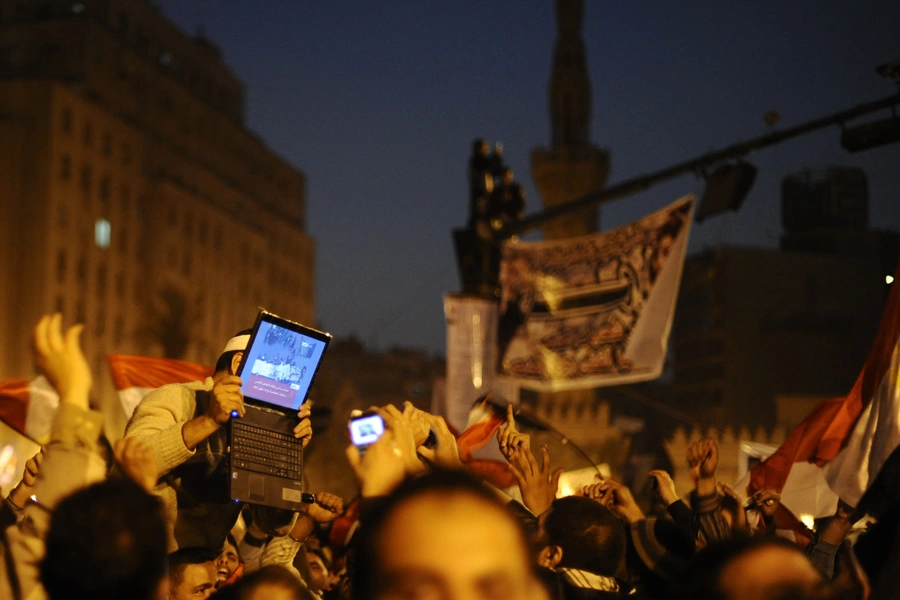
<point x="571" y="167"/>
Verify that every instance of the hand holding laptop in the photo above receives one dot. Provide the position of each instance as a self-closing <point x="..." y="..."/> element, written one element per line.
<point x="303" y="429"/>
<point x="271" y="423"/>
<point x="226" y="398"/>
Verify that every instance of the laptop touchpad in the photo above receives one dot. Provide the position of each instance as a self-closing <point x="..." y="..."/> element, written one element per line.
<point x="257" y="487"/>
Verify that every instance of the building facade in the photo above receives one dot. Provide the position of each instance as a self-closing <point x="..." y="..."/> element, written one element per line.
<point x="133" y="198"/>
<point x="756" y="330"/>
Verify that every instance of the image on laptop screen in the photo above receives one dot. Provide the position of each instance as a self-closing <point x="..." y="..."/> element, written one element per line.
<point x="280" y="365"/>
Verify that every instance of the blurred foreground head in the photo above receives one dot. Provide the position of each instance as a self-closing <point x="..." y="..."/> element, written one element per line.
<point x="742" y="568"/>
<point x="106" y="541"/>
<point x="443" y="535"/>
<point x="271" y="582"/>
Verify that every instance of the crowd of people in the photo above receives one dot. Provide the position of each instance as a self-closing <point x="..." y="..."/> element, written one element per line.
<point x="148" y="517"/>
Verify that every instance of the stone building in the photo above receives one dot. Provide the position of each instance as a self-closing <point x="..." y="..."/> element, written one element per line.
<point x="133" y="198"/>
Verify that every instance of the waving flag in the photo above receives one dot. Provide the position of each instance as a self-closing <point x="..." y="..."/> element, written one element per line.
<point x="838" y="450"/>
<point x="28" y="407"/>
<point x="134" y="376"/>
<point x="484" y="421"/>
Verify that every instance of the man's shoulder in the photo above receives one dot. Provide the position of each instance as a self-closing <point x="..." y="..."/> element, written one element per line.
<point x="171" y="389"/>
<point x="173" y="395"/>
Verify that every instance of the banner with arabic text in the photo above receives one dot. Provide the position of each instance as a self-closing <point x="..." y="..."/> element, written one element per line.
<point x="594" y="310"/>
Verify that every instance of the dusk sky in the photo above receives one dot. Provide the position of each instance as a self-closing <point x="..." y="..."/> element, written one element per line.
<point x="378" y="104"/>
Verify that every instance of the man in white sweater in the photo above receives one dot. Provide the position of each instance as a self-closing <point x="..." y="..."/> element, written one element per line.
<point x="183" y="424"/>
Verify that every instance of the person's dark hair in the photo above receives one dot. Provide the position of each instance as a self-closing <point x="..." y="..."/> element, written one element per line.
<point x="592" y="538"/>
<point x="701" y="579"/>
<point x="233" y="541"/>
<point x="270" y="575"/>
<point x="363" y="562"/>
<point x="224" y="362"/>
<point x="181" y="558"/>
<point x="322" y="555"/>
<point x="106" y="541"/>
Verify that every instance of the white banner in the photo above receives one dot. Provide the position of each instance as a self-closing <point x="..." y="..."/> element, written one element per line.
<point x="595" y="310"/>
<point x="471" y="354"/>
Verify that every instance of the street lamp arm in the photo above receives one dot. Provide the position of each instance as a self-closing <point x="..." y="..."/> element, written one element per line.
<point x="643" y="182"/>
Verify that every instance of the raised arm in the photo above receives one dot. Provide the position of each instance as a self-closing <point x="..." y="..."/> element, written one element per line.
<point x="165" y="419"/>
<point x="703" y="458"/>
<point x="71" y="460"/>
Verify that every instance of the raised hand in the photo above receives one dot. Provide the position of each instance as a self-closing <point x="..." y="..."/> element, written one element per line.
<point x="60" y="359"/>
<point x="403" y="426"/>
<point x="419" y="421"/>
<point x="703" y="458"/>
<point x="137" y="460"/>
<point x="598" y="492"/>
<point x="445" y="453"/>
<point x="536" y="482"/>
<point x="303" y="430"/>
<point x="664" y="487"/>
<point x="20" y="494"/>
<point x="733" y="505"/>
<point x="325" y="509"/>
<point x="766" y="501"/>
<point x="381" y="468"/>
<point x="226" y="397"/>
<point x="619" y="499"/>
<point x="511" y="439"/>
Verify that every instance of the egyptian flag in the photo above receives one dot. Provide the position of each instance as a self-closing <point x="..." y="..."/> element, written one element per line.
<point x="28" y="407"/>
<point x="485" y="419"/>
<point x="135" y="376"/>
<point x="839" y="449"/>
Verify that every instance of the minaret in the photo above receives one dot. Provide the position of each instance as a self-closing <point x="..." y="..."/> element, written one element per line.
<point x="571" y="167"/>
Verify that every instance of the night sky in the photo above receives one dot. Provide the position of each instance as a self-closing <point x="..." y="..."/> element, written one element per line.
<point x="378" y="104"/>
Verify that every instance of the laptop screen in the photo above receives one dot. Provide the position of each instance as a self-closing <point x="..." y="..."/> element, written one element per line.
<point x="280" y="362"/>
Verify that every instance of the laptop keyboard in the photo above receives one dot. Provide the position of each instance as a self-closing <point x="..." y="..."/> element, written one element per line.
<point x="265" y="451"/>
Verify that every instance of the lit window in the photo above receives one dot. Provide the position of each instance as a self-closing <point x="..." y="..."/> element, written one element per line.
<point x="102" y="233"/>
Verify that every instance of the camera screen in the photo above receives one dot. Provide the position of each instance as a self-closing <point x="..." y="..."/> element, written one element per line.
<point x="366" y="430"/>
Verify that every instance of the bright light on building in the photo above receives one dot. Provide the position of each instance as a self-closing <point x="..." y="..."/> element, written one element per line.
<point x="102" y="233"/>
<point x="889" y="279"/>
